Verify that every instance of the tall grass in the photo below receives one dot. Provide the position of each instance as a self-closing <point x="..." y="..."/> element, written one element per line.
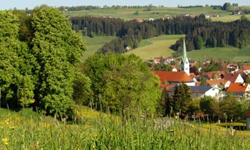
<point x="27" y="130"/>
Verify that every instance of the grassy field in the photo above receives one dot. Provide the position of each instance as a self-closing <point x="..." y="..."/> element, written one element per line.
<point x="225" y="53"/>
<point x="93" y="44"/>
<point x="156" y="47"/>
<point x="128" y="13"/>
<point x="28" y="130"/>
<point x="228" y="18"/>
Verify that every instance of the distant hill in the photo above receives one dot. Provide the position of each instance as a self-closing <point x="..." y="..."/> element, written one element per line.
<point x="155" y="13"/>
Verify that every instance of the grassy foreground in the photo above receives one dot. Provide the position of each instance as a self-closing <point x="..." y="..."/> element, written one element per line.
<point x="28" y="130"/>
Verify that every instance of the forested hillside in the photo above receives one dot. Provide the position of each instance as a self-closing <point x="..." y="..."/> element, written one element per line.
<point x="199" y="31"/>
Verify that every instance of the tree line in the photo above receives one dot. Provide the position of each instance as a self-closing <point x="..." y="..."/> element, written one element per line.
<point x="199" y="31"/>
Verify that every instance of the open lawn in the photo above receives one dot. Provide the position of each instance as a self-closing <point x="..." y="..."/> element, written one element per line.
<point x="30" y="130"/>
<point x="156" y="47"/>
<point x="221" y="53"/>
<point x="93" y="44"/>
<point x="156" y="12"/>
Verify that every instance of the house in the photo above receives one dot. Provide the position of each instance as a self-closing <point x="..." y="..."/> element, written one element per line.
<point x="193" y="16"/>
<point x="207" y="16"/>
<point x="151" y="19"/>
<point x="168" y="60"/>
<point x="248" y="119"/>
<point x="157" y="60"/>
<point x="216" y="15"/>
<point x="217" y="82"/>
<point x="232" y="67"/>
<point x="166" y="17"/>
<point x="174" y="77"/>
<point x="246" y="69"/>
<point x="138" y="20"/>
<point x="240" y="12"/>
<point x="233" y="77"/>
<point x="214" y="75"/>
<point x="192" y="63"/>
<point x="200" y="91"/>
<point x="239" y="89"/>
<point x="107" y="16"/>
<point x="185" y="15"/>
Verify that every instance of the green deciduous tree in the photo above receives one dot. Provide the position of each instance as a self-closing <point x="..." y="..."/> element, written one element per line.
<point x="16" y="82"/>
<point x="57" y="49"/>
<point x="122" y="83"/>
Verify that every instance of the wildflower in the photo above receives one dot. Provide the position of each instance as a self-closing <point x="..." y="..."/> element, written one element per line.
<point x="93" y="146"/>
<point x="192" y="126"/>
<point x="12" y="127"/>
<point x="32" y="101"/>
<point x="5" y="140"/>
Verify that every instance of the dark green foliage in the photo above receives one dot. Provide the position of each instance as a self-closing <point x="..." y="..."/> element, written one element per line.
<point x="16" y="81"/>
<point x="226" y="6"/>
<point x="199" y="32"/>
<point x="206" y="105"/>
<point x="162" y="67"/>
<point x="165" y="104"/>
<point x="122" y="83"/>
<point x="181" y="98"/>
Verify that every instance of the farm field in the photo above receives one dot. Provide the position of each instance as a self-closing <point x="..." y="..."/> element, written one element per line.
<point x="93" y="44"/>
<point x="160" y="46"/>
<point x="228" y="18"/>
<point x="221" y="53"/>
<point x="30" y="130"/>
<point x="128" y="13"/>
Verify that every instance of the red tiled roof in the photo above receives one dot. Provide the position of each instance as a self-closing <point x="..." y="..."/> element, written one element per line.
<point x="246" y="67"/>
<point x="237" y="87"/>
<point x="248" y="113"/>
<point x="216" y="82"/>
<point x="173" y="76"/>
<point x="231" y="77"/>
<point x="217" y="73"/>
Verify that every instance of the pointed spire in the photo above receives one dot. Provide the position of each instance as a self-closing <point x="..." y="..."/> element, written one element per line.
<point x="184" y="50"/>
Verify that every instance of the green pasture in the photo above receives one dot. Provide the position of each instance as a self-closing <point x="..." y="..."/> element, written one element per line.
<point x="156" y="47"/>
<point x="93" y="44"/>
<point x="221" y="53"/>
<point x="156" y="12"/>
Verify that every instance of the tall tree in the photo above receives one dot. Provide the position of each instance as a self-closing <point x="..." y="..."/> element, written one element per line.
<point x="57" y="49"/>
<point x="16" y="84"/>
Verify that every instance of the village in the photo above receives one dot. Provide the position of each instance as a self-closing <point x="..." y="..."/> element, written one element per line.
<point x="233" y="78"/>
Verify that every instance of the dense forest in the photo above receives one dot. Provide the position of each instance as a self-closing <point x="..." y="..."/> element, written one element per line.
<point x="199" y="31"/>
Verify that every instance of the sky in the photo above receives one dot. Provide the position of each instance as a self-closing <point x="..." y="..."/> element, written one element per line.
<point x="22" y="4"/>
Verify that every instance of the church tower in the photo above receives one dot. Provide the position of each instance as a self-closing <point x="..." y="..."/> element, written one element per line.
<point x="184" y="60"/>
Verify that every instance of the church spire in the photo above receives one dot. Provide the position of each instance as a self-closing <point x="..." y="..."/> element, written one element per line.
<point x="184" y="61"/>
<point x="184" y="53"/>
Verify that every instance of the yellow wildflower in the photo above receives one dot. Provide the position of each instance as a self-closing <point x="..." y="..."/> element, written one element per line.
<point x="5" y="140"/>
<point x="93" y="146"/>
<point x="12" y="127"/>
<point x="32" y="101"/>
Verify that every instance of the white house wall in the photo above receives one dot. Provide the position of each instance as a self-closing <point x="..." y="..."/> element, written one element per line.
<point x="213" y="92"/>
<point x="239" y="79"/>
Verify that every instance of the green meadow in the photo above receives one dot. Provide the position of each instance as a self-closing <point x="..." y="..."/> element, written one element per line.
<point x="93" y="44"/>
<point x="222" y="53"/>
<point x="156" y="47"/>
<point x="156" y="12"/>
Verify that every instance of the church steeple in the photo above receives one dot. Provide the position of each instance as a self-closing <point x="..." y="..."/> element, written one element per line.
<point x="184" y="60"/>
